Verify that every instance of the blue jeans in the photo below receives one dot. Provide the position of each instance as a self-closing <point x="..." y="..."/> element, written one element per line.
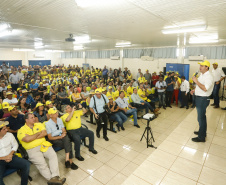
<point x="201" y="105"/>
<point x="134" y="113"/>
<point x="16" y="163"/>
<point x="193" y="99"/>
<point x="216" y="94"/>
<point x="119" y="117"/>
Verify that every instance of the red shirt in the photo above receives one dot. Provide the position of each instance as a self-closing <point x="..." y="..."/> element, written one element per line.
<point x="155" y="79"/>
<point x="79" y="89"/>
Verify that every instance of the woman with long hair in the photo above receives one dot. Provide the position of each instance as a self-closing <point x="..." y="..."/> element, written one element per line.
<point x="71" y="89"/>
<point x="76" y="96"/>
<point x="23" y="106"/>
<point x="41" y="113"/>
<point x="63" y="96"/>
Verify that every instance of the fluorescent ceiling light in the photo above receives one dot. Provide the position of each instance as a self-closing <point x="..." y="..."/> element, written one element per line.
<point x="22" y="49"/>
<point x="78" y="47"/>
<point x="185" y="29"/>
<point x="123" y="43"/>
<point x="38" y="39"/>
<point x="37" y="44"/>
<point x="3" y="27"/>
<point x="54" y="51"/>
<point x="200" y="41"/>
<point x="5" y="33"/>
<point x="82" y="40"/>
<point x="119" y="46"/>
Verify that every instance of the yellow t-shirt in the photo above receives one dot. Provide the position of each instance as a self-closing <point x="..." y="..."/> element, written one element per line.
<point x="110" y="94"/>
<point x="130" y="90"/>
<point x="87" y="72"/>
<point x="73" y="73"/>
<point x="129" y="77"/>
<point x="25" y="130"/>
<point x="44" y="73"/>
<point x="116" y="94"/>
<point x="179" y="80"/>
<point x="75" y="121"/>
<point x="140" y="92"/>
<point x="141" y="79"/>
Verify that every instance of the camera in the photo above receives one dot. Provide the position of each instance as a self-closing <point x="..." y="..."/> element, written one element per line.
<point x="76" y="105"/>
<point x="106" y="108"/>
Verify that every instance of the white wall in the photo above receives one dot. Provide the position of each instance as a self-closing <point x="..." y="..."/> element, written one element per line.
<point x="72" y="61"/>
<point x="9" y="54"/>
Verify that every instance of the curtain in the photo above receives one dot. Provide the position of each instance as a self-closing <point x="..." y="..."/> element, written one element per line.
<point x="101" y="54"/>
<point x="73" y="54"/>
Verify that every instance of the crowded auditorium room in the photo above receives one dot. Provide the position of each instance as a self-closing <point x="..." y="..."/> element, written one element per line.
<point x="111" y="92"/>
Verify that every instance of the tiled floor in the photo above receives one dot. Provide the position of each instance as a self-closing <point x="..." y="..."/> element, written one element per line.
<point x="126" y="160"/>
<point x="180" y="161"/>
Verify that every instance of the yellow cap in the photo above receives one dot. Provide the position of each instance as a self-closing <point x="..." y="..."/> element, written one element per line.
<point x="45" y="145"/>
<point x="11" y="108"/>
<point x="9" y="87"/>
<point x="48" y="102"/>
<point x="110" y="87"/>
<point x="104" y="89"/>
<point x="215" y="63"/>
<point x="52" y="111"/>
<point x="39" y="104"/>
<point x="5" y="105"/>
<point x="24" y="91"/>
<point x="18" y="89"/>
<point x="3" y="123"/>
<point x="9" y="93"/>
<point x="205" y="63"/>
<point x="41" y="82"/>
<point x="32" y="80"/>
<point x="167" y="72"/>
<point x="97" y="91"/>
<point x="110" y="97"/>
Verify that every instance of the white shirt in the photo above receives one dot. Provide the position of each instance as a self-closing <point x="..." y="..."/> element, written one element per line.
<point x="122" y="103"/>
<point x="1" y="88"/>
<point x="205" y="79"/>
<point x="14" y="79"/>
<point x="185" y="86"/>
<point x="13" y="100"/>
<point x="7" y="144"/>
<point x="217" y="74"/>
<point x="21" y="76"/>
<point x="159" y="84"/>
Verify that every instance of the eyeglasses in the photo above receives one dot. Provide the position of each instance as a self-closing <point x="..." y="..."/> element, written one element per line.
<point x="57" y="127"/>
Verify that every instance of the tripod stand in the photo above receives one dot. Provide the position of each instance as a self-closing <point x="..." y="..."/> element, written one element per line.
<point x="222" y="96"/>
<point x="148" y="129"/>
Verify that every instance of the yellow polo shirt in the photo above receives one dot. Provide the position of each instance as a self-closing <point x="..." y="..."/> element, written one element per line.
<point x="130" y="90"/>
<point x="25" y="130"/>
<point x="44" y="73"/>
<point x="140" y="92"/>
<point x="75" y="121"/>
<point x="141" y="79"/>
<point x="116" y="94"/>
<point x="111" y="94"/>
<point x="87" y="72"/>
<point x="129" y="77"/>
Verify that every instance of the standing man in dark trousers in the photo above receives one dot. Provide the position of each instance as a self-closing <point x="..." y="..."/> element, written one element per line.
<point x="14" y="79"/>
<point x="218" y="76"/>
<point x="184" y="92"/>
<point x="105" y="74"/>
<point x="203" y="90"/>
<point x="97" y="103"/>
<point x="169" y="89"/>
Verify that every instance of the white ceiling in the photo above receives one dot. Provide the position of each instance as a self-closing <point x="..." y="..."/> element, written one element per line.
<point x="108" y="22"/>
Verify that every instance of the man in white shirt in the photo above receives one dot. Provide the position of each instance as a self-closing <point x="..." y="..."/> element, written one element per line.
<point x="10" y="99"/>
<point x="8" y="146"/>
<point x="14" y="79"/>
<point x="203" y="90"/>
<point x="218" y="76"/>
<point x="3" y="87"/>
<point x="184" y="92"/>
<point x="161" y="88"/>
<point x="138" y="74"/>
<point x="21" y="75"/>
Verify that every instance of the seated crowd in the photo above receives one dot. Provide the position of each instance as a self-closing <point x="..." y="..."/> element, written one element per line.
<point x="41" y="108"/>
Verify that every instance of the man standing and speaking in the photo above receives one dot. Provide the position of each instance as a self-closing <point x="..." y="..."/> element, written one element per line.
<point x="203" y="90"/>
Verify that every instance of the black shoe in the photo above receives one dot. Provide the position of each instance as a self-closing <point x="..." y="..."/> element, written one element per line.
<point x="187" y="107"/>
<point x="122" y="128"/>
<point x="117" y="125"/>
<point x="181" y="107"/>
<point x="80" y="158"/>
<point x="106" y="138"/>
<point x="192" y="106"/>
<point x="67" y="164"/>
<point x="160" y="106"/>
<point x="85" y="116"/>
<point x="216" y="106"/>
<point x="98" y="135"/>
<point x="213" y="104"/>
<point x="137" y="126"/>
<point x="223" y="108"/>
<point x="196" y="132"/>
<point x="197" y="139"/>
<point x="170" y="106"/>
<point x="164" y="107"/>
<point x="93" y="151"/>
<point x="74" y="166"/>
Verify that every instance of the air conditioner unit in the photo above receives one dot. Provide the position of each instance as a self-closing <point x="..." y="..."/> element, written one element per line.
<point x="38" y="56"/>
<point x="147" y="58"/>
<point x="115" y="57"/>
<point x="196" y="58"/>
